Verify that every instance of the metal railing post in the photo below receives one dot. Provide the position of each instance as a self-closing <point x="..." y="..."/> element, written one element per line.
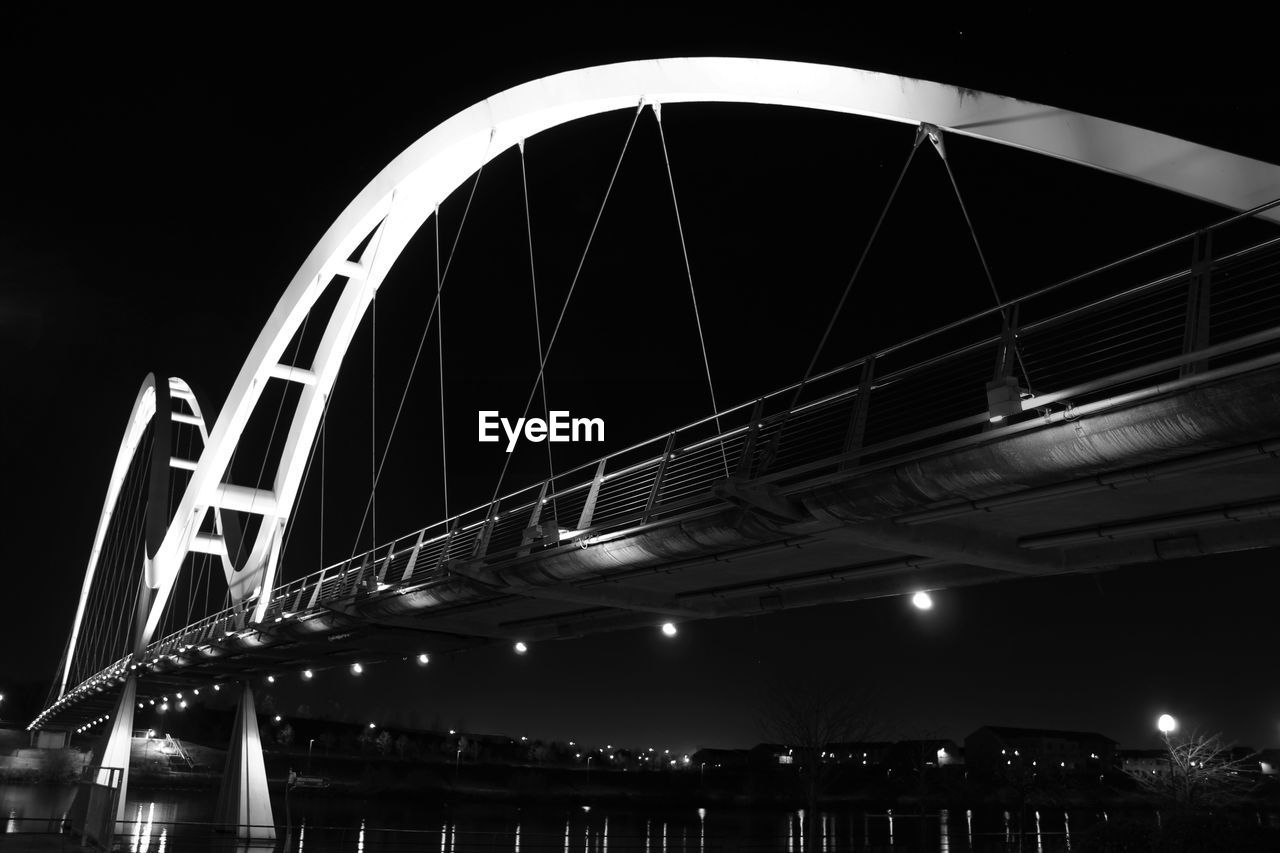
<point x="531" y="531"/>
<point x="1004" y="394"/>
<point x="413" y="556"/>
<point x="386" y="564"/>
<point x="743" y="471"/>
<point x="448" y="543"/>
<point x="1195" y="335"/>
<point x="657" y="478"/>
<point x="482" y="541"/>
<point x="315" y="593"/>
<point x="858" y="417"/>
<point x="589" y="508"/>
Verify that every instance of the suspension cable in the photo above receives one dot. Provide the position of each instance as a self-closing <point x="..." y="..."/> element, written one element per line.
<point x="323" y="433"/>
<point x="318" y="444"/>
<point x="435" y="307"/>
<point x="1004" y="312"/>
<point x="848" y="288"/>
<point x="542" y="362"/>
<point x="102" y="594"/>
<point x="444" y="441"/>
<point x="138" y="549"/>
<point x="537" y="315"/>
<point x="116" y="592"/>
<point x="688" y="270"/>
<point x="373" y="413"/>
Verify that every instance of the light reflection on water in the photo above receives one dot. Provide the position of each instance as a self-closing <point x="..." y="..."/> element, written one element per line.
<point x="177" y="821"/>
<point x="141" y="842"/>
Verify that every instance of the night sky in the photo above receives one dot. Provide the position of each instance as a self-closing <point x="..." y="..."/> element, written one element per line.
<point x="160" y="187"/>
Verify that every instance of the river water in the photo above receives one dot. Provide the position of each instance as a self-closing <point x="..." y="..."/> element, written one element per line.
<point x="177" y="821"/>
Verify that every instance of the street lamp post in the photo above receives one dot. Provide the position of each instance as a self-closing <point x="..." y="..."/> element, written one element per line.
<point x="310" y="744"/>
<point x="1167" y="724"/>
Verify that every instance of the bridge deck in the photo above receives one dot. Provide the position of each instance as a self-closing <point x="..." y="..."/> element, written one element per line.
<point x="897" y="473"/>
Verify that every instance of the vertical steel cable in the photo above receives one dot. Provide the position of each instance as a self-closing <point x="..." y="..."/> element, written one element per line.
<point x="542" y="363"/>
<point x="866" y="250"/>
<point x="688" y="269"/>
<point x="323" y="432"/>
<point x="537" y="318"/>
<point x="1017" y="351"/>
<point x="317" y="445"/>
<point x="435" y="307"/>
<point x="444" y="445"/>
<point x="373" y="416"/>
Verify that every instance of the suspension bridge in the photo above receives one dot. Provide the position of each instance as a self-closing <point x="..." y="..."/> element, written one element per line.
<point x="1123" y="416"/>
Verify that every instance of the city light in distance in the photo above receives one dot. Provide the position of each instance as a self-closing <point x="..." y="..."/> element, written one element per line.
<point x="424" y="659"/>
<point x="1166" y="723"/>
<point x="520" y="647"/>
<point x="669" y="629"/>
<point x="271" y="679"/>
<point x="922" y="600"/>
<point x="308" y="674"/>
<point x="357" y="669"/>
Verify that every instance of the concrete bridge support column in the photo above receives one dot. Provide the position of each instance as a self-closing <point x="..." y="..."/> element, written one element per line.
<point x="120" y="744"/>
<point x="244" y="803"/>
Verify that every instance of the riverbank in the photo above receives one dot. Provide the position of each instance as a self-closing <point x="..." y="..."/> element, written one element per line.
<point x="179" y="764"/>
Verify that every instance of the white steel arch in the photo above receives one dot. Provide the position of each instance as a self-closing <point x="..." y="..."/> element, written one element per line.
<point x="145" y="408"/>
<point x="400" y="198"/>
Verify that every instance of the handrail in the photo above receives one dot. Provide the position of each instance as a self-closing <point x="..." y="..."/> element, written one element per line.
<point x="812" y="437"/>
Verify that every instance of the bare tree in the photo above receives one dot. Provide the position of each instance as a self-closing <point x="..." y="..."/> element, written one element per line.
<point x="807" y="716"/>
<point x="1201" y="772"/>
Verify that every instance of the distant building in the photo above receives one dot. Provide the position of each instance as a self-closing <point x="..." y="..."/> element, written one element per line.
<point x="861" y="753"/>
<point x="993" y="750"/>
<point x="914" y="756"/>
<point x="1145" y="762"/>
<point x="704" y="758"/>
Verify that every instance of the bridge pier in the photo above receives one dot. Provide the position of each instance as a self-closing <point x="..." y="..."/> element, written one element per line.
<point x="244" y="802"/>
<point x="120" y="744"/>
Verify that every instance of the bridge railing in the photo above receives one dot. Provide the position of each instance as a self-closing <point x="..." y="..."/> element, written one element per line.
<point x="1208" y="301"/>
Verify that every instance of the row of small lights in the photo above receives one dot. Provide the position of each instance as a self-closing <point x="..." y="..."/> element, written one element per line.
<point x="93" y="723"/>
<point x="922" y="601"/>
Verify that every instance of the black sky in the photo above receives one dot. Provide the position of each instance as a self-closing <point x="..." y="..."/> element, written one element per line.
<point x="160" y="186"/>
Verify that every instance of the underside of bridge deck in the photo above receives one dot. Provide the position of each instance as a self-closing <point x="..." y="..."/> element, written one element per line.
<point x="1170" y="476"/>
